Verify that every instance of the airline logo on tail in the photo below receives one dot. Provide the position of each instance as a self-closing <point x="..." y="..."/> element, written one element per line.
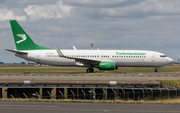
<point x="23" y="36"/>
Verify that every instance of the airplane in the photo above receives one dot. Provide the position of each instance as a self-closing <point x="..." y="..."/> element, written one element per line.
<point x="101" y="59"/>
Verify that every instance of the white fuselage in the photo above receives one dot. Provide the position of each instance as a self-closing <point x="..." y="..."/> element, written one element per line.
<point x="122" y="58"/>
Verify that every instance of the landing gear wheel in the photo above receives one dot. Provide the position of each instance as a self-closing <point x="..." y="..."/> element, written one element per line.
<point x="155" y="70"/>
<point x="90" y="70"/>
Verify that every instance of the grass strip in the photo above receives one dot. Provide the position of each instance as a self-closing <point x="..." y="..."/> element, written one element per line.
<point x="82" y="69"/>
<point x="174" y="83"/>
<point x="158" y="101"/>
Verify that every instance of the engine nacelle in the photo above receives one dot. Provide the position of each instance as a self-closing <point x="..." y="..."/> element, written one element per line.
<point x="107" y="66"/>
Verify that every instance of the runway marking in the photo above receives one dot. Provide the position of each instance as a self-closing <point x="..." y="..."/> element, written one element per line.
<point x="42" y="109"/>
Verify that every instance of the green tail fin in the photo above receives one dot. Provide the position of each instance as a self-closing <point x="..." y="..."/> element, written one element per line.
<point x="22" y="40"/>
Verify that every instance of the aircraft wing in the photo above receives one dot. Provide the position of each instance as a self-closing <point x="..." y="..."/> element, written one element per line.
<point x="81" y="60"/>
<point x="20" y="52"/>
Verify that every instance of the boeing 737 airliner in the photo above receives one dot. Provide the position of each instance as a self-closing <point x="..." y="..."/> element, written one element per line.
<point x="101" y="59"/>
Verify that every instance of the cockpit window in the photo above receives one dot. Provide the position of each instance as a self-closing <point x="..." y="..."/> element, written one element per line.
<point x="163" y="56"/>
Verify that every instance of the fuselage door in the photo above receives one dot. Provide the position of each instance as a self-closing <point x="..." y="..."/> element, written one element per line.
<point x="153" y="57"/>
<point x="38" y="57"/>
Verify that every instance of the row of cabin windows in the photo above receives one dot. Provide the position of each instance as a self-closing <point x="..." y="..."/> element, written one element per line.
<point x="73" y="56"/>
<point x="82" y="55"/>
<point x="105" y="56"/>
<point x="52" y="56"/>
<point x="129" y="56"/>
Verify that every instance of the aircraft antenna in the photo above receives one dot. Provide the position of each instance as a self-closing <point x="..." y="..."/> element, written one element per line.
<point x="92" y="45"/>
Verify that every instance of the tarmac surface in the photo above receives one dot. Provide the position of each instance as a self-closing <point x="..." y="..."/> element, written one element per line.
<point x="68" y="107"/>
<point x="140" y="76"/>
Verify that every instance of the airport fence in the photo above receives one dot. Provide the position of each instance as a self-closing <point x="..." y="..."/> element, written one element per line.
<point x="103" y="94"/>
<point x="125" y="94"/>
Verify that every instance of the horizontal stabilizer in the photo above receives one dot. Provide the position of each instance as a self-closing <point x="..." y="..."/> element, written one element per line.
<point x="20" y="52"/>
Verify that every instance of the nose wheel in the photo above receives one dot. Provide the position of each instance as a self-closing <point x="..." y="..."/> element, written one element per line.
<point x="90" y="70"/>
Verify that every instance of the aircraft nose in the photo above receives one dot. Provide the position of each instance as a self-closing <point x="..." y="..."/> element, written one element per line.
<point x="169" y="60"/>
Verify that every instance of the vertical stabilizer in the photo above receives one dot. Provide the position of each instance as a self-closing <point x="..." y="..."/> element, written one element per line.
<point x="22" y="39"/>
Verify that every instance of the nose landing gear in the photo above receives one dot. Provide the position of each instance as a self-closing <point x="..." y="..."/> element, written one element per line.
<point x="90" y="70"/>
<point x="156" y="69"/>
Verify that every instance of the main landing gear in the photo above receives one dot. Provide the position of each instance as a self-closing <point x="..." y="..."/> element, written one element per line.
<point x="90" y="70"/>
<point x="155" y="70"/>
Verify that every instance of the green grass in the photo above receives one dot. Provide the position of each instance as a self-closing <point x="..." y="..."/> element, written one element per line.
<point x="83" y="70"/>
<point x="174" y="83"/>
<point x="38" y="69"/>
<point x="158" y="101"/>
<point x="148" y="69"/>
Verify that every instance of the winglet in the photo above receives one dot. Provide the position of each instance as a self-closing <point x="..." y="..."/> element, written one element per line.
<point x="59" y="52"/>
<point x="74" y="48"/>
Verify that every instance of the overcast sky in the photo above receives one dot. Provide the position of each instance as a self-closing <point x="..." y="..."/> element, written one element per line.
<point x="109" y="24"/>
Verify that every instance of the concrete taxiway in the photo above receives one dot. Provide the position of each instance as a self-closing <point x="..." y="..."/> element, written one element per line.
<point x="56" y="107"/>
<point x="141" y="76"/>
